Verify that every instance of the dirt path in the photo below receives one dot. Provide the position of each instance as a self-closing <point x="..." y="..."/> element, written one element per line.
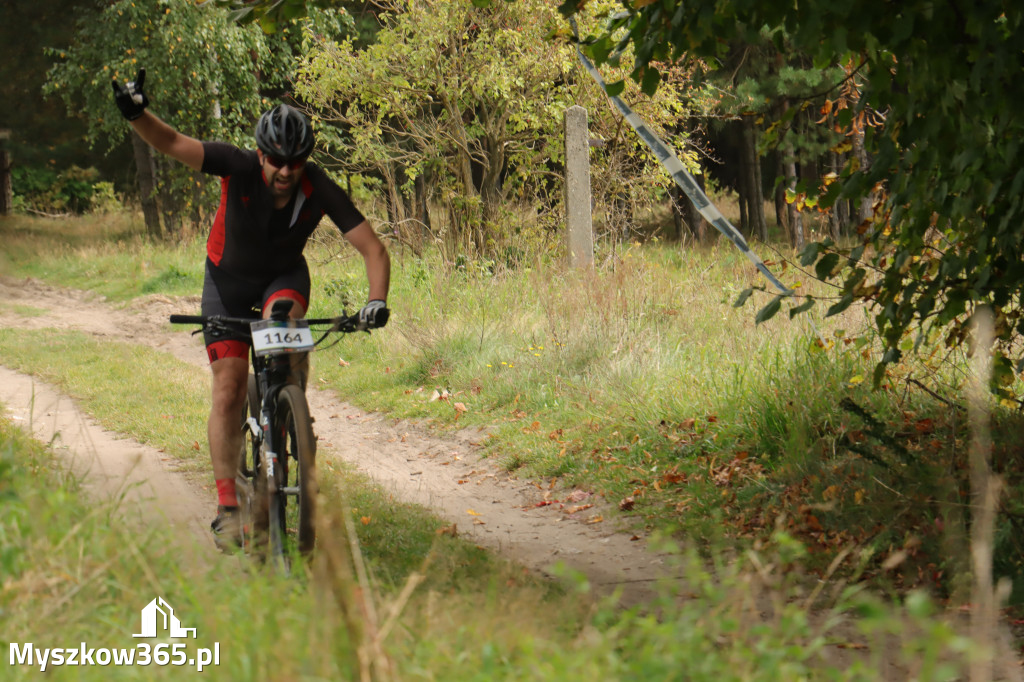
<point x="445" y="474"/>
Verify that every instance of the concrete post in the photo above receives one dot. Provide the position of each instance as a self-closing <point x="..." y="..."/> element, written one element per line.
<point x="578" y="220"/>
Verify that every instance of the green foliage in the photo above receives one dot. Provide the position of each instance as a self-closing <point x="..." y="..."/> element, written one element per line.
<point x="207" y="77"/>
<point x="461" y="107"/>
<point x="948" y="233"/>
<point x="203" y="76"/>
<point x="74" y="190"/>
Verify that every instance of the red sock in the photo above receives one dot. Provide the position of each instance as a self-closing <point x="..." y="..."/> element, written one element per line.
<point x="226" y="495"/>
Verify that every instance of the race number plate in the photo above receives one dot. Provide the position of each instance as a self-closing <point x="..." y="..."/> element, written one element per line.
<point x="271" y="336"/>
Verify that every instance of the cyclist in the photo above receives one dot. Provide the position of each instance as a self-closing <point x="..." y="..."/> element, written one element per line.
<point x="271" y="201"/>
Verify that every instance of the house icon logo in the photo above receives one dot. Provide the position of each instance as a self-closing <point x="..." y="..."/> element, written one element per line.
<point x="158" y="614"/>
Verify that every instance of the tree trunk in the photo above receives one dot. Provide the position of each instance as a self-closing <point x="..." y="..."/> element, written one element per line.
<point x="795" y="221"/>
<point x="781" y="209"/>
<point x="686" y="215"/>
<point x="421" y="215"/>
<point x="838" y="217"/>
<point x="743" y="184"/>
<point x="866" y="208"/>
<point x="170" y="207"/>
<point x="752" y="218"/>
<point x="464" y="164"/>
<point x="145" y="173"/>
<point x="677" y="201"/>
<point x="758" y="223"/>
<point x="796" y="226"/>
<point x="6" y="192"/>
<point x="395" y="202"/>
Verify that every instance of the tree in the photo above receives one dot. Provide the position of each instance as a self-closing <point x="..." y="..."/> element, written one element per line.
<point x="202" y="80"/>
<point x="463" y="106"/>
<point x="948" y="232"/>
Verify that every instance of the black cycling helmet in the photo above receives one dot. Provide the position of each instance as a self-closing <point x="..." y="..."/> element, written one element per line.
<point x="285" y="133"/>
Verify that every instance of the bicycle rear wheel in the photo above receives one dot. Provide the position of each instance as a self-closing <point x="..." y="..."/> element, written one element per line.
<point x="295" y="506"/>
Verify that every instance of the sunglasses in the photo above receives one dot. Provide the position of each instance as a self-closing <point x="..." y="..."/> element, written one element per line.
<point x="278" y="162"/>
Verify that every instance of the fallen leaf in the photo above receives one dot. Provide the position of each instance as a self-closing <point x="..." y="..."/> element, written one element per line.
<point x="451" y="530"/>
<point x="673" y="477"/>
<point x="577" y="496"/>
<point x="342" y="362"/>
<point x="195" y="445"/>
<point x="595" y="519"/>
<point x="688" y="423"/>
<point x="460" y="407"/>
<point x="627" y="504"/>
<point x="578" y="508"/>
<point x="472" y="513"/>
<point x="366" y="520"/>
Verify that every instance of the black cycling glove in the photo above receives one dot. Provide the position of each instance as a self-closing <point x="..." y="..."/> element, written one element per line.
<point x="130" y="98"/>
<point x="374" y="314"/>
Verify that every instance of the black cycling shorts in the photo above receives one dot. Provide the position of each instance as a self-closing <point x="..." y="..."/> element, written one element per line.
<point x="233" y="297"/>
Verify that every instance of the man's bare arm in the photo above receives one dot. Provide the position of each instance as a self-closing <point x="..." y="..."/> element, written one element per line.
<point x="169" y="141"/>
<point x="375" y="254"/>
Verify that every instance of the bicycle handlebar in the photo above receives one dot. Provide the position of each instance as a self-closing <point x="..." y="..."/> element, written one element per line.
<point x="345" y="323"/>
<point x="188" y="319"/>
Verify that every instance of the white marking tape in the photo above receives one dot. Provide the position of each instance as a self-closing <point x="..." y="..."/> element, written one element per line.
<point x="679" y="174"/>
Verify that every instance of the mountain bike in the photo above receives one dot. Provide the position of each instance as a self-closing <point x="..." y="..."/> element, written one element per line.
<point x="276" y="479"/>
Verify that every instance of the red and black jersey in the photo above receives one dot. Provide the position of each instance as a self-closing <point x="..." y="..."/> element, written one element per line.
<point x="250" y="239"/>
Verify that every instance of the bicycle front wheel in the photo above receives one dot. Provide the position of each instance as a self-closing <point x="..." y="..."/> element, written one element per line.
<point x="248" y="464"/>
<point x="296" y="469"/>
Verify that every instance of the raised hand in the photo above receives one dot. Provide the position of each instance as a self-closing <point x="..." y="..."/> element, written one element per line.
<point x="130" y="98"/>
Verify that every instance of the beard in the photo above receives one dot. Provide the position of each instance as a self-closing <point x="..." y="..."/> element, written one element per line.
<point x="282" y="187"/>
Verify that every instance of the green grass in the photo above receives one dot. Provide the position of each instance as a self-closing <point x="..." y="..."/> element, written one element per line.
<point x="107" y="254"/>
<point x="76" y="572"/>
<point x="21" y="309"/>
<point x="638" y="380"/>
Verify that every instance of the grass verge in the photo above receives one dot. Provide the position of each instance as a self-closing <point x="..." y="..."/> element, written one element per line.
<point x="76" y="576"/>
<point x="639" y="381"/>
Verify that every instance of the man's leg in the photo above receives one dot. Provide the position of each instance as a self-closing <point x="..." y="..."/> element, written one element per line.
<point x="230" y="383"/>
<point x="300" y="361"/>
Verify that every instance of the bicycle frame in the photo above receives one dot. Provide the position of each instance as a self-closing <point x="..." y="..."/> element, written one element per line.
<point x="272" y="369"/>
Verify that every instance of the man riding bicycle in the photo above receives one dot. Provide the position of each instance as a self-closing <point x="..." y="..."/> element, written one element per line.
<point x="271" y="201"/>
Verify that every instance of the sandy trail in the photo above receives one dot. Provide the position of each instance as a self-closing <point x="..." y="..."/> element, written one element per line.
<point x="446" y="474"/>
